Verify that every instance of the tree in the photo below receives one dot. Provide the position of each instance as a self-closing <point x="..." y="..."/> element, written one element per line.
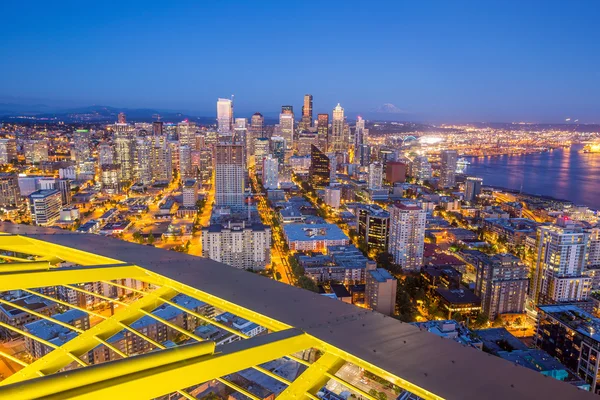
<point x="518" y="321"/>
<point x="481" y="320"/>
<point x="306" y="283"/>
<point x="278" y="275"/>
<point x="151" y="238"/>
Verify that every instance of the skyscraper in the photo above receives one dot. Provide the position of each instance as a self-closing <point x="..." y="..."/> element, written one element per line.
<point x="261" y="150"/>
<point x="143" y="161"/>
<point x="359" y="133"/>
<point x="286" y="124"/>
<point x="80" y="149"/>
<point x="106" y="154"/>
<point x="407" y="235"/>
<point x="323" y="131"/>
<point x="162" y="160"/>
<point x="558" y="273"/>
<point x="121" y="118"/>
<point x="45" y="206"/>
<point x="240" y="131"/>
<point x="287" y="110"/>
<point x="35" y="151"/>
<point x="157" y="128"/>
<point x="319" y="171"/>
<point x="375" y="175"/>
<point x="373" y="226"/>
<point x="8" y="151"/>
<point x="185" y="162"/>
<point x="229" y="176"/>
<point x="448" y="168"/>
<point x="307" y="112"/>
<point x="472" y="188"/>
<point x="225" y="116"/>
<point x="125" y="152"/>
<point x="421" y="169"/>
<point x="10" y="194"/>
<point x="270" y="172"/>
<point x="337" y="142"/>
<point x="278" y="149"/>
<point x="186" y="132"/>
<point x="255" y="131"/>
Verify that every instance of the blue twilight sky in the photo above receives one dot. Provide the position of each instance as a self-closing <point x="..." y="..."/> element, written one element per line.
<point x="437" y="60"/>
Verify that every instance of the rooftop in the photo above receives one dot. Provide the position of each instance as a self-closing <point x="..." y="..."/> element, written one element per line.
<point x="309" y="232"/>
<point x="380" y="275"/>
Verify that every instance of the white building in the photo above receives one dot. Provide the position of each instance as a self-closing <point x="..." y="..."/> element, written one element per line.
<point x="270" y="175"/>
<point x="333" y="196"/>
<point x="337" y="142"/>
<point x="45" y="206"/>
<point x="375" y="176"/>
<point x="558" y="274"/>
<point x="225" y="116"/>
<point x="407" y="235"/>
<point x="190" y="193"/>
<point x="421" y="169"/>
<point x="238" y="245"/>
<point x="286" y="125"/>
<point x="8" y="151"/>
<point x="229" y="176"/>
<point x="448" y="168"/>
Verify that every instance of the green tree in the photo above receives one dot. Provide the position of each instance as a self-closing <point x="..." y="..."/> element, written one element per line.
<point x="151" y="238"/>
<point x="481" y="320"/>
<point x="278" y="275"/>
<point x="306" y="283"/>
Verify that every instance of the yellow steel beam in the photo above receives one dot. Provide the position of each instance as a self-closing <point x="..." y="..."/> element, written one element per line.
<point x="42" y="316"/>
<point x="60" y="276"/>
<point x="98" y="295"/>
<point x="13" y="258"/>
<point x="27" y="245"/>
<point x="87" y="340"/>
<point x="158" y="377"/>
<point x="25" y="266"/>
<point x="13" y="358"/>
<point x="314" y="378"/>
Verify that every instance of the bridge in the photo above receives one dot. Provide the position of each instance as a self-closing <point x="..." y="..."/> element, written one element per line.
<point x="319" y="335"/>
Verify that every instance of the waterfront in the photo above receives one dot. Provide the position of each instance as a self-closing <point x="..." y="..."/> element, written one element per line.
<point x="565" y="173"/>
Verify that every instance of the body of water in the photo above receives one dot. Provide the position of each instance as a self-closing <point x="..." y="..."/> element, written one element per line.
<point x="564" y="173"/>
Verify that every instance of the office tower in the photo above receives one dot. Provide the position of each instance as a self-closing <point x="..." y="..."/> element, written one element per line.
<point x="8" y="151"/>
<point x="44" y="206"/>
<point x="289" y="110"/>
<point x="472" y="188"/>
<point x="373" y="227"/>
<point x="407" y="235"/>
<point x="206" y="164"/>
<point x="395" y="172"/>
<point x="174" y="151"/>
<point x="225" y="116"/>
<point x="106" y="154"/>
<point x="337" y="142"/>
<point x="10" y="194"/>
<point x="162" y="160"/>
<point x="270" y="172"/>
<point x="359" y="133"/>
<point x="142" y="168"/>
<point x="229" y="176"/>
<point x="448" y="168"/>
<point x="307" y="113"/>
<point x="110" y="178"/>
<point x="185" y="163"/>
<point x="558" y="273"/>
<point x="305" y="141"/>
<point x="186" y="132"/>
<point x="332" y="168"/>
<point x="363" y="155"/>
<point x="278" y="149"/>
<point x="125" y="154"/>
<point x="255" y="131"/>
<point x="240" y="131"/>
<point x="190" y="192"/>
<point x="380" y="291"/>
<point x="80" y="149"/>
<point x="333" y="196"/>
<point x="323" y="131"/>
<point x="421" y="169"/>
<point x="319" y="172"/>
<point x="375" y="175"/>
<point x="122" y="119"/>
<point x="64" y="187"/>
<point x="36" y="151"/>
<point x="241" y="245"/>
<point x="157" y="128"/>
<point x="261" y="150"/>
<point x="286" y="125"/>
<point x="501" y="283"/>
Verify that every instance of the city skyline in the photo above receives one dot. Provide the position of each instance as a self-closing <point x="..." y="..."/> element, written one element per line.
<point x="488" y="63"/>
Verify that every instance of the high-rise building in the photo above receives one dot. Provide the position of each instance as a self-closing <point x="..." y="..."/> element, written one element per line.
<point x="106" y="154"/>
<point x="363" y="155"/>
<point x="64" y="187"/>
<point x="337" y="142"/>
<point x="319" y="171"/>
<point x="186" y="132"/>
<point x="359" y="133"/>
<point x="238" y="244"/>
<point x="472" y="188"/>
<point x="261" y="150"/>
<point x="110" y="178"/>
<point x="278" y="149"/>
<point x="45" y="206"/>
<point x="225" y="116"/>
<point x="380" y="291"/>
<point x="287" y="110"/>
<point x="8" y="151"/>
<point x="125" y="152"/>
<point x="122" y="119"/>
<point x="240" y="135"/>
<point x="395" y="172"/>
<point x="333" y="163"/>
<point x="10" y="194"/>
<point x="373" y="226"/>
<point x="448" y="168"/>
<point x="307" y="112"/>
<point x="36" y="151"/>
<point x="80" y="149"/>
<point x="421" y="169"/>
<point x="143" y="160"/>
<point x="270" y="172"/>
<point x="375" y="176"/>
<point x="185" y="162"/>
<point x="501" y="283"/>
<point x="229" y="176"/>
<point x="157" y="128"/>
<point x="323" y="131"/>
<point x="286" y="125"/>
<point x="255" y="131"/>
<point x="162" y="160"/>
<point x="407" y="235"/>
<point x="558" y="273"/>
<point x="305" y="141"/>
<point x="333" y="196"/>
<point x="190" y="192"/>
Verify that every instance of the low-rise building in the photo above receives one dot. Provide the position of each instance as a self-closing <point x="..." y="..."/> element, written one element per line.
<point x="461" y="301"/>
<point x="45" y="206"/>
<point x="380" y="291"/>
<point x="450" y="329"/>
<point x="313" y="237"/>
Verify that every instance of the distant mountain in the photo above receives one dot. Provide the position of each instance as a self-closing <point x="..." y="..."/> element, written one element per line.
<point x="389" y="108"/>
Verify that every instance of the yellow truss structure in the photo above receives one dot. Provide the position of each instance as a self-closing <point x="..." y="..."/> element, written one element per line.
<point x="32" y="263"/>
